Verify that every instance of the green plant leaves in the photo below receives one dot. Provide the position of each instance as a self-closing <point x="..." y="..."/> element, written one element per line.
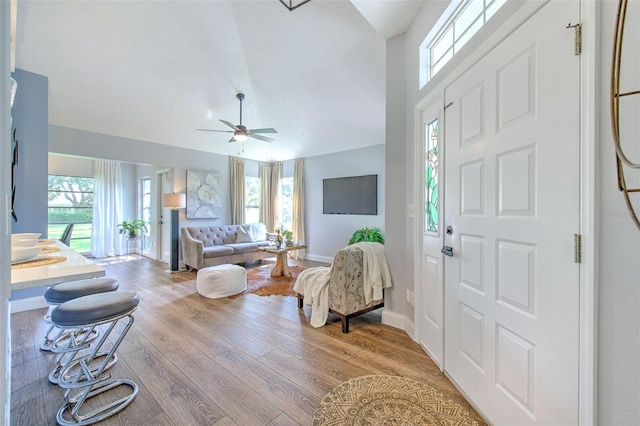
<point x="366" y="234"/>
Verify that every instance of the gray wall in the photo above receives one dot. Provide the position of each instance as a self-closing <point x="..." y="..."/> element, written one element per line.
<point x="328" y="233"/>
<point x="30" y="118"/>
<point x="63" y="140"/>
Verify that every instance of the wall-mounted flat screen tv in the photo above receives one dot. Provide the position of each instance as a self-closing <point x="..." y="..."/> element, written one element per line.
<point x="350" y="195"/>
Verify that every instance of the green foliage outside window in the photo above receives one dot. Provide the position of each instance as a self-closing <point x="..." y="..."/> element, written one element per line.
<point x="71" y="201"/>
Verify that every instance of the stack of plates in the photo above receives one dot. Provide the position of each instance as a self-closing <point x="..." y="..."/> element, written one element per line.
<point x="21" y="254"/>
<point x="23" y="246"/>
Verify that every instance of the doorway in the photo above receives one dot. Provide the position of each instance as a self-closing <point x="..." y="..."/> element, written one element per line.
<point x="507" y="325"/>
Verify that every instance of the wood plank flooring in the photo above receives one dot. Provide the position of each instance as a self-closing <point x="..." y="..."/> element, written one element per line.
<point x="246" y="361"/>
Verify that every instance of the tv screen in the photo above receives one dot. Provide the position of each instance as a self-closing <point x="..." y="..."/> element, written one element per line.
<point x="350" y="195"/>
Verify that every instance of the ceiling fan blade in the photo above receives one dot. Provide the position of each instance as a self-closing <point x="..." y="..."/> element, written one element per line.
<point x="229" y="124"/>
<point x="268" y="130"/>
<point x="233" y="139"/>
<point x="209" y="130"/>
<point x="259" y="137"/>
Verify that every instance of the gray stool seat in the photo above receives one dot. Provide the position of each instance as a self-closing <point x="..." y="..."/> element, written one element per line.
<point x="60" y="293"/>
<point x="64" y="292"/>
<point x="95" y="308"/>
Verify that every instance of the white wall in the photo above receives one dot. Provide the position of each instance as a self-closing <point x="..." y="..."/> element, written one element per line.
<point x="5" y="228"/>
<point x="70" y="166"/>
<point x="397" y="224"/>
<point x="619" y="307"/>
<point x="326" y="234"/>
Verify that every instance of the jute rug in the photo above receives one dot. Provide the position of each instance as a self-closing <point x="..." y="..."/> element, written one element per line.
<point x="260" y="282"/>
<point x="389" y="400"/>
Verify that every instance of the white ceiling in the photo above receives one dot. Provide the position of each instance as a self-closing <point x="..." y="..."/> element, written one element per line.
<point x="157" y="70"/>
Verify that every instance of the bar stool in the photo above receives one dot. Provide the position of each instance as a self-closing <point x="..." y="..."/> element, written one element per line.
<point x="79" y="377"/>
<point x="60" y="293"/>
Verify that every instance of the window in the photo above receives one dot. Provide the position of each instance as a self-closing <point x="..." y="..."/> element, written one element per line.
<point x="145" y="186"/>
<point x="71" y="201"/>
<point x="446" y="40"/>
<point x="431" y="187"/>
<point x="287" y="203"/>
<point x="251" y="199"/>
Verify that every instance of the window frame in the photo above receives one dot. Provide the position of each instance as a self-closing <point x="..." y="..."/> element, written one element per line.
<point x="430" y="65"/>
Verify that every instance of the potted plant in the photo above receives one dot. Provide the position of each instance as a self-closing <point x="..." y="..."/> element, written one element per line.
<point x="133" y="228"/>
<point x="288" y="237"/>
<point x="372" y="235"/>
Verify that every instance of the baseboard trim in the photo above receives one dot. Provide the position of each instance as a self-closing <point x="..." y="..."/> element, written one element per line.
<point x="398" y="321"/>
<point x="28" y="304"/>
<point x="317" y="258"/>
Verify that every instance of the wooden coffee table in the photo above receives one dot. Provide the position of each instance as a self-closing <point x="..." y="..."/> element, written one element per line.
<point x="282" y="266"/>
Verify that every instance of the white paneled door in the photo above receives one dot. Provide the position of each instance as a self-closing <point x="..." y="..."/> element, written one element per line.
<point x="512" y="201"/>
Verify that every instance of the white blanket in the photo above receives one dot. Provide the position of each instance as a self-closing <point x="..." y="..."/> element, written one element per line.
<point x="313" y="283"/>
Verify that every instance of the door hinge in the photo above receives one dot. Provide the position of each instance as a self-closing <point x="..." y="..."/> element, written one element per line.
<point x="577" y="248"/>
<point x="577" y="38"/>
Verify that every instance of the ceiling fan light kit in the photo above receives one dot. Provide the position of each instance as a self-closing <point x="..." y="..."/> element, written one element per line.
<point x="240" y="132"/>
<point x="291" y="4"/>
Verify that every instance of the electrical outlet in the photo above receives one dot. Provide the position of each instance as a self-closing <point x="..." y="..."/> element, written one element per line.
<point x="408" y="295"/>
<point x="411" y="210"/>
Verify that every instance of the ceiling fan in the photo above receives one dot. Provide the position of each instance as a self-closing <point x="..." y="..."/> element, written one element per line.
<point x="240" y="132"/>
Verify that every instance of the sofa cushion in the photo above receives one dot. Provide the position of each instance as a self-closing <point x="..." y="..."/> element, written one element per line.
<point x="243" y="247"/>
<point x="214" y="251"/>
<point x="243" y="236"/>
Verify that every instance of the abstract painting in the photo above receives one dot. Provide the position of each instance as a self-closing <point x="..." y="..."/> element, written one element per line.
<point x="203" y="195"/>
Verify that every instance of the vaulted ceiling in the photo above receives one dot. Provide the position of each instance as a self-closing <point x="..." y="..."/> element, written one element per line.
<point x="158" y="70"/>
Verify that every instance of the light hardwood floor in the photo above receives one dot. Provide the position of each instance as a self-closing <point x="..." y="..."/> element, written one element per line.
<point x="246" y="361"/>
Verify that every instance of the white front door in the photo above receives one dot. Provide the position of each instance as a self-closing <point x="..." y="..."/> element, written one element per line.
<point x="432" y="270"/>
<point x="512" y="200"/>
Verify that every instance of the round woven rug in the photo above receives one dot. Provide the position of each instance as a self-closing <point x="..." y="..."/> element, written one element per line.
<point x="389" y="400"/>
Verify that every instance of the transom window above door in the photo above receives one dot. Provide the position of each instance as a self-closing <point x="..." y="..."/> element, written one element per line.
<point x="457" y="25"/>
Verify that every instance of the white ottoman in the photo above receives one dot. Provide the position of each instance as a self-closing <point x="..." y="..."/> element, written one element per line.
<point x="216" y="282"/>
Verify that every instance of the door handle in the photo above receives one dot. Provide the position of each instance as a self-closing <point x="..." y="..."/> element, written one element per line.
<point x="447" y="251"/>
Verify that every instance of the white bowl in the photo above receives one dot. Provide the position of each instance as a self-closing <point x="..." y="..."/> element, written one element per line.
<point x="26" y="236"/>
<point x="20" y="254"/>
<point x="24" y="243"/>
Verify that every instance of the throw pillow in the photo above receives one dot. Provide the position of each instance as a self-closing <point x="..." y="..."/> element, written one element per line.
<point x="243" y="236"/>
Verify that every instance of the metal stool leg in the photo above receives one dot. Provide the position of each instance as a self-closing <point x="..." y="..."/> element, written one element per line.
<point x="85" y="376"/>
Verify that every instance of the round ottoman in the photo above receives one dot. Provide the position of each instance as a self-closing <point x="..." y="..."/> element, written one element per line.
<point x="220" y="281"/>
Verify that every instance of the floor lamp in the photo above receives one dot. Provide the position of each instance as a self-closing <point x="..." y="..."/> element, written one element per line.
<point x="174" y="202"/>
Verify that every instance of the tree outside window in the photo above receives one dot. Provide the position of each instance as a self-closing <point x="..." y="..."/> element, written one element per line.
<point x="71" y="201"/>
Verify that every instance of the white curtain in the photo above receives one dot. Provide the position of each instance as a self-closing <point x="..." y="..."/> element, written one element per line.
<point x="298" y="206"/>
<point x="276" y="193"/>
<point x="264" y="173"/>
<point x="107" y="209"/>
<point x="236" y="171"/>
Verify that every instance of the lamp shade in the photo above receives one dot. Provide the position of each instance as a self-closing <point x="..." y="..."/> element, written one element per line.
<point x="174" y="201"/>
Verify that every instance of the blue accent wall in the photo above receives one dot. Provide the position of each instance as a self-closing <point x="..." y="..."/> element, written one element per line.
<point x="30" y="115"/>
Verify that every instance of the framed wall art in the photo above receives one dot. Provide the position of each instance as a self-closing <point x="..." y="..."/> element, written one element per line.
<point x="203" y="195"/>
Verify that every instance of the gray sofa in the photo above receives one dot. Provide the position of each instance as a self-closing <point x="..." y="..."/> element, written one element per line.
<point x="216" y="245"/>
